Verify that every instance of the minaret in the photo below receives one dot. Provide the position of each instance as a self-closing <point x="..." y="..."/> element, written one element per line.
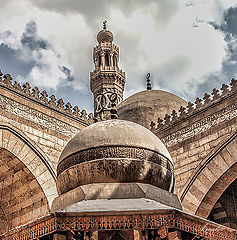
<point x="107" y="78"/>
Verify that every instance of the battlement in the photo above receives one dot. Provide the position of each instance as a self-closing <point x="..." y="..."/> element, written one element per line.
<point x="42" y="98"/>
<point x="192" y="109"/>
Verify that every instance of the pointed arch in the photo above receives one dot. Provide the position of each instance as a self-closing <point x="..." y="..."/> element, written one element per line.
<point x="17" y="143"/>
<point x="211" y="179"/>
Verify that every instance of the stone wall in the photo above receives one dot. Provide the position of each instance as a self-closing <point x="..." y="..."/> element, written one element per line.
<point x="34" y="129"/>
<point x="194" y="136"/>
<point x="48" y="123"/>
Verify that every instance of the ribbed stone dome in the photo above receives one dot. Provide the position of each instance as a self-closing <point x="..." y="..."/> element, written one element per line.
<point x="149" y="105"/>
<point x="114" y="151"/>
<point x="105" y="36"/>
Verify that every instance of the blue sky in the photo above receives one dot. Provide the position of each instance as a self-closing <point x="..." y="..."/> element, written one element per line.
<point x="188" y="46"/>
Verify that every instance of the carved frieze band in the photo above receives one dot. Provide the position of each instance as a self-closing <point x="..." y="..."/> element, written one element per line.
<point x="201" y="126"/>
<point x="35" y="116"/>
<point x="141" y="221"/>
<point x="114" y="152"/>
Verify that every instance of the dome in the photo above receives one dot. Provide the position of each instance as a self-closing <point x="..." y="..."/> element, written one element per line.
<point x="105" y="36"/>
<point x="149" y="105"/>
<point x="114" y="151"/>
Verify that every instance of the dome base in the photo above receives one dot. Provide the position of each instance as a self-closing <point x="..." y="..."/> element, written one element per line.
<point x="109" y="191"/>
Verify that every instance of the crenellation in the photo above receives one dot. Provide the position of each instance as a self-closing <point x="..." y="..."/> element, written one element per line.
<point x="68" y="108"/>
<point x="224" y="89"/>
<point x="35" y="92"/>
<point x="215" y="94"/>
<point x="193" y="108"/>
<point x="42" y="98"/>
<point x="26" y="88"/>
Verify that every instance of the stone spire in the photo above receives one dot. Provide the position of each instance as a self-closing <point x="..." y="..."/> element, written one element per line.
<point x="106" y="78"/>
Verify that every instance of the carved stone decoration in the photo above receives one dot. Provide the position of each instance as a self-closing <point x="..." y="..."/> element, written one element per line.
<point x="224" y="89"/>
<point x="198" y="103"/>
<point x="83" y="114"/>
<point x="76" y="111"/>
<point x="52" y="101"/>
<point x="182" y="112"/>
<point x="26" y="88"/>
<point x="201" y="125"/>
<point x="17" y="86"/>
<point x="7" y="80"/>
<point x="215" y="94"/>
<point x="165" y="220"/>
<point x="35" y="92"/>
<point x="167" y="119"/>
<point x="60" y="104"/>
<point x="160" y="122"/>
<point x="44" y="97"/>
<point x="113" y="152"/>
<point x="233" y="85"/>
<point x="90" y="118"/>
<point x="68" y="108"/>
<point x="9" y="106"/>
<point x="114" y="164"/>
<point x="206" y="99"/>
<point x="190" y="108"/>
<point x="174" y="115"/>
<point x="152" y="126"/>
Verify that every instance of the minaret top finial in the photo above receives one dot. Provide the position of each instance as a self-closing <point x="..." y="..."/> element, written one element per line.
<point x="104" y="24"/>
<point x="148" y="81"/>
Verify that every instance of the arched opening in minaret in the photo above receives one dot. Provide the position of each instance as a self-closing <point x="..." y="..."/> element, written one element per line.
<point x="106" y="59"/>
<point x="99" y="61"/>
<point x="115" y="61"/>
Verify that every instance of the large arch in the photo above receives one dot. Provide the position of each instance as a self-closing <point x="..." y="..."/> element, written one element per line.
<point x="212" y="177"/>
<point x="27" y="181"/>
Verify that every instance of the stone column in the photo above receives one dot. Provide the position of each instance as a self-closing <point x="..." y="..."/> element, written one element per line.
<point x="57" y="236"/>
<point x="111" y="60"/>
<point x="176" y="235"/>
<point x="94" y="235"/>
<point x="103" y="59"/>
<point x="138" y="235"/>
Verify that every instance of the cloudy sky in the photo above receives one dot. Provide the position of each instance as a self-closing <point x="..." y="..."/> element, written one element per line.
<point x="188" y="46"/>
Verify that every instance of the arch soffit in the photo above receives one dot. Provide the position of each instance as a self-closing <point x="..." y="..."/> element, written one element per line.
<point x="16" y="142"/>
<point x="214" y="174"/>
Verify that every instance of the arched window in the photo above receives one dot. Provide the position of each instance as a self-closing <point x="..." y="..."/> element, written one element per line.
<point x="106" y="59"/>
<point x="115" y="61"/>
<point x="99" y="60"/>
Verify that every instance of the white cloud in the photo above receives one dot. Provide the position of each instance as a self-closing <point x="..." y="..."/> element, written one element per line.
<point x="171" y="39"/>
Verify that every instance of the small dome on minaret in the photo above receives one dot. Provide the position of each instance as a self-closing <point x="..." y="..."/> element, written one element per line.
<point x="105" y="35"/>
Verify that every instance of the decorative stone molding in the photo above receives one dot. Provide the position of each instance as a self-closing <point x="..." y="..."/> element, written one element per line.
<point x="31" y="114"/>
<point x="42" y="98"/>
<point x="201" y="125"/>
<point x="170" y="219"/>
<point x="192" y="108"/>
<point x="114" y="152"/>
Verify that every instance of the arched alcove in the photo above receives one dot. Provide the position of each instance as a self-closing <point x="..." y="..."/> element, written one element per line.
<point x="210" y="180"/>
<point x="225" y="210"/>
<point x="21" y="197"/>
<point x="27" y="182"/>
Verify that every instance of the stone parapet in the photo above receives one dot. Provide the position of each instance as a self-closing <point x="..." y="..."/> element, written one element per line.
<point x="34" y="94"/>
<point x="192" y="109"/>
